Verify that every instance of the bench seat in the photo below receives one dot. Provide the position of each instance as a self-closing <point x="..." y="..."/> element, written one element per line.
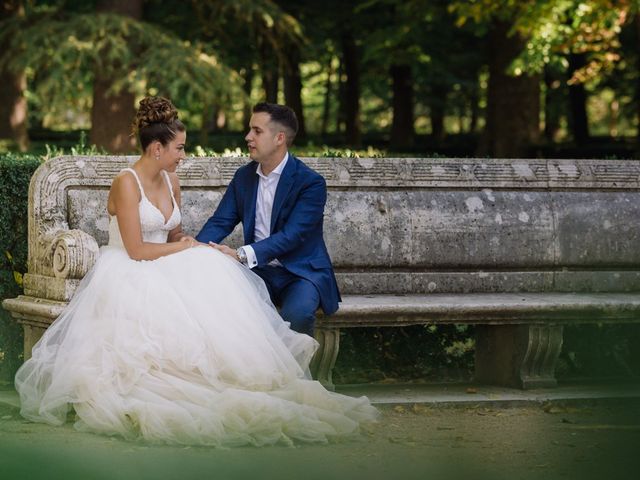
<point x="518" y="335"/>
<point x="483" y="308"/>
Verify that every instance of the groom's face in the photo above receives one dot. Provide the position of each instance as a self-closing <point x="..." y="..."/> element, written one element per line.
<point x="264" y="140"/>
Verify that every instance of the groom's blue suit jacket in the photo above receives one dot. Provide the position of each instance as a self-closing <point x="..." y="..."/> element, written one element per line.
<point x="296" y="224"/>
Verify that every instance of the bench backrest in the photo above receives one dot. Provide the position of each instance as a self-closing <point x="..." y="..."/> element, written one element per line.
<point x="413" y="225"/>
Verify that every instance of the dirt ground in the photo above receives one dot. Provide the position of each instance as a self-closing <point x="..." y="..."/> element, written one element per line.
<point x="410" y="441"/>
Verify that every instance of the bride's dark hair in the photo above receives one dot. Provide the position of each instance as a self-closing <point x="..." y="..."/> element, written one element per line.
<point x="156" y="119"/>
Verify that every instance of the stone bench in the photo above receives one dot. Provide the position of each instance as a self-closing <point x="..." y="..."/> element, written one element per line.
<point x="519" y="248"/>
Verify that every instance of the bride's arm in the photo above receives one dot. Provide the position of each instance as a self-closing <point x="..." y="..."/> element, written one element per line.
<point x="177" y="235"/>
<point x="125" y="198"/>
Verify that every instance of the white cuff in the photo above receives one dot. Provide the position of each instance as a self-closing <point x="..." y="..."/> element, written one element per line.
<point x="252" y="261"/>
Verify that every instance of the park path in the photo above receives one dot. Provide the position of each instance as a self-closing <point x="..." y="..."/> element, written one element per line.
<point x="583" y="439"/>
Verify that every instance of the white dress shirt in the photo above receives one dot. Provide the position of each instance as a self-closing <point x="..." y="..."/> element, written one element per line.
<point x="267" y="186"/>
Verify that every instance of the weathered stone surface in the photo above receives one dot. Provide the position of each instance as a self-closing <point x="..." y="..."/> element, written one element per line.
<point x="60" y="289"/>
<point x="450" y="215"/>
<point x="420" y="228"/>
<point x="74" y="253"/>
<point x="486" y="308"/>
<point x="35" y="315"/>
<point x="40" y="311"/>
<point x="424" y="282"/>
<point x="597" y="281"/>
<point x="528" y="244"/>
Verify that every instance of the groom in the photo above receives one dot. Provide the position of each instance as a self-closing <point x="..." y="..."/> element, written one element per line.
<point x="280" y="202"/>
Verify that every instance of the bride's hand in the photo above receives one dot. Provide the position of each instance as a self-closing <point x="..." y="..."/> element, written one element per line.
<point x="191" y="241"/>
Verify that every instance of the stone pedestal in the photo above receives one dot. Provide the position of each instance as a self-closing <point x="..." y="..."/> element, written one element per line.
<point x="35" y="315"/>
<point x="522" y="356"/>
<point x="31" y="336"/>
<point x="325" y="358"/>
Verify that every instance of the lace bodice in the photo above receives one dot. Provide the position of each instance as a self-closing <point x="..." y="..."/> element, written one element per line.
<point x="154" y="227"/>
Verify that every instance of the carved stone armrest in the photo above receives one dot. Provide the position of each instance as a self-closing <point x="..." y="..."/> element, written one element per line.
<point x="74" y="253"/>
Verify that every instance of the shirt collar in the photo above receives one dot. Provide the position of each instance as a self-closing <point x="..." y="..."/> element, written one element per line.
<point x="276" y="171"/>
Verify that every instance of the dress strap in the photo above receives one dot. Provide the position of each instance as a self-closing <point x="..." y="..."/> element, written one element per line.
<point x="137" y="179"/>
<point x="166" y="177"/>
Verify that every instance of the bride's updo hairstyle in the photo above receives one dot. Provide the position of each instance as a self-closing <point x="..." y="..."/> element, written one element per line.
<point x="156" y="119"/>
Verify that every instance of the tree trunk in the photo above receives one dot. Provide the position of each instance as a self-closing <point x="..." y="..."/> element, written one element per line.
<point x="111" y="117"/>
<point x="219" y="118"/>
<point x="341" y="112"/>
<point x="207" y="124"/>
<point x="474" y="99"/>
<point x="293" y="89"/>
<point x="326" y="108"/>
<point x="578" y="120"/>
<point x="13" y="109"/>
<point x="352" y="90"/>
<point x="513" y="103"/>
<point x="437" y="107"/>
<point x="553" y="100"/>
<point x="247" y="107"/>
<point x="638" y="86"/>
<point x="270" y="84"/>
<point x="13" y="104"/>
<point x="112" y="113"/>
<point x="270" y="74"/>
<point x="214" y="120"/>
<point x="402" y="131"/>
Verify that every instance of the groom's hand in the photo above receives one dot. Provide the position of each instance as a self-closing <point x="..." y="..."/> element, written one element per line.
<point x="226" y="250"/>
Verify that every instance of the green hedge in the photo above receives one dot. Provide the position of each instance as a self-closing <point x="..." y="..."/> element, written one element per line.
<point x="15" y="173"/>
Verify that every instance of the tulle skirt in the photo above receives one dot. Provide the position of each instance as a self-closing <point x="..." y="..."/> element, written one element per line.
<point x="186" y="349"/>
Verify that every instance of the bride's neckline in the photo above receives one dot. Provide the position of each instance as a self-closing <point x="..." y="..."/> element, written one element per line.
<point x="143" y="196"/>
<point x="166" y="220"/>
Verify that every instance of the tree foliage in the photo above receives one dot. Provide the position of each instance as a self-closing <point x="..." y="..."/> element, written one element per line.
<point x="264" y="21"/>
<point x="556" y="28"/>
<point x="66" y="52"/>
<point x="351" y="61"/>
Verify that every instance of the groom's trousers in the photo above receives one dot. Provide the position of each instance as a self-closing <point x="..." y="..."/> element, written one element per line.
<point x="296" y="297"/>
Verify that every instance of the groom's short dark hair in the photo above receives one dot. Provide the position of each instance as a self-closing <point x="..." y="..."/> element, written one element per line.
<point x="282" y="115"/>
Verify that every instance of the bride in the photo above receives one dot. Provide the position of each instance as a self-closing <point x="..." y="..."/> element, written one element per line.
<point x="171" y="341"/>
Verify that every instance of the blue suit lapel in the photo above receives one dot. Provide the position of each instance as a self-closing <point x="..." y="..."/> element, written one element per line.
<point x="287" y="179"/>
<point x="249" y="214"/>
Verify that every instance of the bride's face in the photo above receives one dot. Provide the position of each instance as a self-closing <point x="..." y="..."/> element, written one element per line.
<point x="173" y="152"/>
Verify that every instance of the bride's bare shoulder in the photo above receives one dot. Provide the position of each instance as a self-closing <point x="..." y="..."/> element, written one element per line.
<point x="124" y="189"/>
<point x="124" y="181"/>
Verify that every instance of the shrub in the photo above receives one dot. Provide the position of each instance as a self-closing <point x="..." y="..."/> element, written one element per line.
<point x="15" y="173"/>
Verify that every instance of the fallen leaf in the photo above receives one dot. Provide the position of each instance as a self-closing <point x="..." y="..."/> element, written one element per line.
<point x="417" y="408"/>
<point x="410" y="442"/>
<point x="550" y="408"/>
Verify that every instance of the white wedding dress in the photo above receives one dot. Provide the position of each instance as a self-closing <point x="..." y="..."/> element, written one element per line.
<point x="185" y="349"/>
